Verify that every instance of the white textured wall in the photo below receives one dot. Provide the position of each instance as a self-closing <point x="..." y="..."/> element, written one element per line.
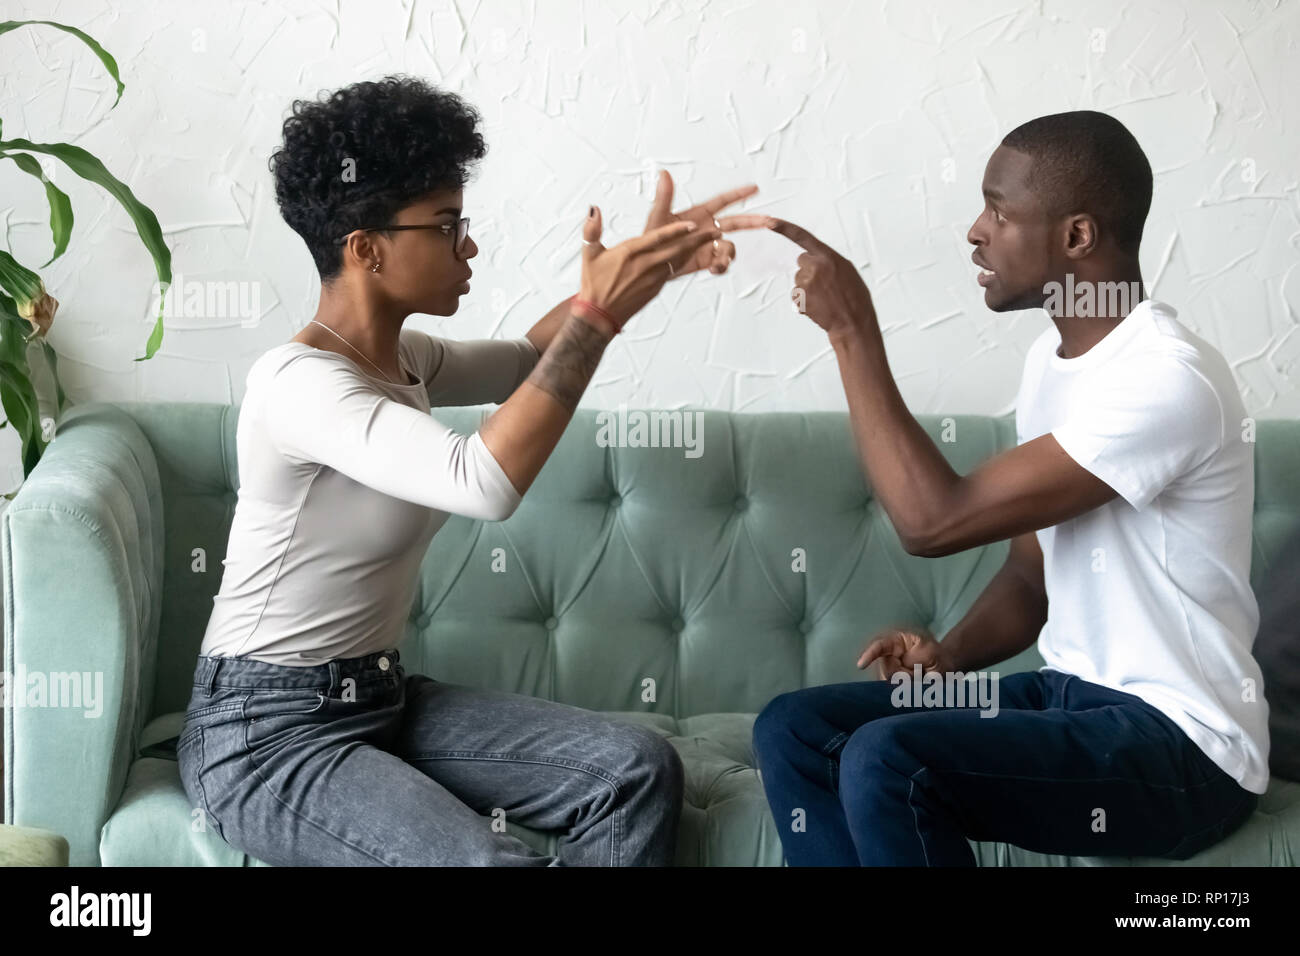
<point x="868" y="122"/>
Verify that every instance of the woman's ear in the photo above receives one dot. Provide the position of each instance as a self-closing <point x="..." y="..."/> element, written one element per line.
<point x="360" y="249"/>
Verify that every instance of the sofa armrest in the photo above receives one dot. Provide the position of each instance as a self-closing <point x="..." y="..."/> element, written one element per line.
<point x="81" y="555"/>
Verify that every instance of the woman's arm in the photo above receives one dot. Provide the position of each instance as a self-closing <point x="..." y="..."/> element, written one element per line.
<point x="543" y="333"/>
<point x="319" y="408"/>
<point x="522" y="433"/>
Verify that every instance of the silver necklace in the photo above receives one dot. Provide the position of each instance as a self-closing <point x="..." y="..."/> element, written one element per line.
<point x="355" y="349"/>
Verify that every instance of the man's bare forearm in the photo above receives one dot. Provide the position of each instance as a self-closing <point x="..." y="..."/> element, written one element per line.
<point x="1004" y="620"/>
<point x="523" y="432"/>
<point x="904" y="467"/>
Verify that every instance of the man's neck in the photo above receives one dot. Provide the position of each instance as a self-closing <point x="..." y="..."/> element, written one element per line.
<point x="1089" y="308"/>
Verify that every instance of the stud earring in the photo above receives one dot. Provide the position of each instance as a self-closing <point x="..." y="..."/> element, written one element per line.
<point x="375" y="267"/>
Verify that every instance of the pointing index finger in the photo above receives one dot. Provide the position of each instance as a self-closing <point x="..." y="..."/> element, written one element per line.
<point x="796" y="234"/>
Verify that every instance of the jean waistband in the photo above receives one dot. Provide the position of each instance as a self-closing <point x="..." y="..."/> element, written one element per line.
<point x="250" y="674"/>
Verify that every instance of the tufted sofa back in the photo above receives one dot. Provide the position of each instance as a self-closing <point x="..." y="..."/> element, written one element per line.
<point x="681" y="580"/>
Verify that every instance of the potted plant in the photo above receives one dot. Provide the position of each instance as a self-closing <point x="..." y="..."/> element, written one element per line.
<point x="26" y="307"/>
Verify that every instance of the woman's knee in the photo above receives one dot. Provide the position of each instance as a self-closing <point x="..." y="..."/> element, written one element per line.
<point x="651" y="757"/>
<point x="667" y="764"/>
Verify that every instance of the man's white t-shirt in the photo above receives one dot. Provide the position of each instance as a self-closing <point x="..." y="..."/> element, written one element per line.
<point x="1150" y="593"/>
<point x="344" y="479"/>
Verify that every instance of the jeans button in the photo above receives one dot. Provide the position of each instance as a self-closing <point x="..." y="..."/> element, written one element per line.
<point x="383" y="663"/>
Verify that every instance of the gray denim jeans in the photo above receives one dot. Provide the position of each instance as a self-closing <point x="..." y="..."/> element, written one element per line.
<point x="354" y="763"/>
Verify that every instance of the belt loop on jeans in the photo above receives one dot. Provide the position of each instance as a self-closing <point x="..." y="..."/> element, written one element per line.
<point x="335" y="683"/>
<point x="211" y="664"/>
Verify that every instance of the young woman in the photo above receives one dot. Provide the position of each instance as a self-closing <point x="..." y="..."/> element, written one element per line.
<point x="305" y="741"/>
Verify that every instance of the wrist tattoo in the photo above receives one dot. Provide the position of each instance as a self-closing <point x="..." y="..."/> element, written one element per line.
<point x="567" y="366"/>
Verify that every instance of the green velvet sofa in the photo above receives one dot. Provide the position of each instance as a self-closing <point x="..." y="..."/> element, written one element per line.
<point x="679" y="589"/>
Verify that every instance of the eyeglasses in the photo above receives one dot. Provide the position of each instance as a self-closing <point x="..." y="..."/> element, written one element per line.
<point x="461" y="227"/>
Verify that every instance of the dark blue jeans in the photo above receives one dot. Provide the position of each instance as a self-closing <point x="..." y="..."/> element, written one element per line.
<point x="356" y="763"/>
<point x="1064" y="766"/>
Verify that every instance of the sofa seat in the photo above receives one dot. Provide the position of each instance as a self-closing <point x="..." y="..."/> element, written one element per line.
<point x="725" y="817"/>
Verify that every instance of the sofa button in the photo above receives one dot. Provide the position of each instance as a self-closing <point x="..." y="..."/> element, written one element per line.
<point x="678" y="624"/>
<point x="551" y="623"/>
<point x="804" y="627"/>
<point x="422" y="621"/>
<point x="742" y="504"/>
<point x="615" y="502"/>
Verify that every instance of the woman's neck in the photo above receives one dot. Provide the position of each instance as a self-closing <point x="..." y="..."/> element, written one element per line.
<point x="375" y="336"/>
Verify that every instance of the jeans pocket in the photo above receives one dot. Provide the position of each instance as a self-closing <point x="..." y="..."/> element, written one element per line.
<point x="283" y="703"/>
<point x="278" y="716"/>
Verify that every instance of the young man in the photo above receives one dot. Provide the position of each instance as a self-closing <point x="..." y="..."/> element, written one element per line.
<point x="1127" y="500"/>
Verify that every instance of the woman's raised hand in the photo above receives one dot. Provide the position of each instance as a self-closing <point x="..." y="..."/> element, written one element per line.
<point x="719" y="255"/>
<point x="618" y="282"/>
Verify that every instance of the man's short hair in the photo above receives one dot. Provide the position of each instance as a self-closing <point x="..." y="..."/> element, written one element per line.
<point x="1085" y="161"/>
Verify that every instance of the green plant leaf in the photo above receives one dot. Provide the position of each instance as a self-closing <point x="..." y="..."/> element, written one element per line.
<point x="18" y="395"/>
<point x="13" y="345"/>
<point x="8" y="313"/>
<point x="105" y="57"/>
<point x="22" y="283"/>
<point x="60" y="204"/>
<point x="61" y="398"/>
<point x="89" y="168"/>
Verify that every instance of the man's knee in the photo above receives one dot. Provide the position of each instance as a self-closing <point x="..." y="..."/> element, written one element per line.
<point x="775" y="723"/>
<point x="881" y="746"/>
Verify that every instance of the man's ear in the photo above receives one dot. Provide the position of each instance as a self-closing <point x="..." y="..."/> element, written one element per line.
<point x="1080" y="235"/>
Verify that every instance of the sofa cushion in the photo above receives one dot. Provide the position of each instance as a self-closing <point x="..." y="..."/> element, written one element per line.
<point x="725" y="817"/>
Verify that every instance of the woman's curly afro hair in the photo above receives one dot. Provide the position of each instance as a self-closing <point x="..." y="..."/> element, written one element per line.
<point x="354" y="157"/>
